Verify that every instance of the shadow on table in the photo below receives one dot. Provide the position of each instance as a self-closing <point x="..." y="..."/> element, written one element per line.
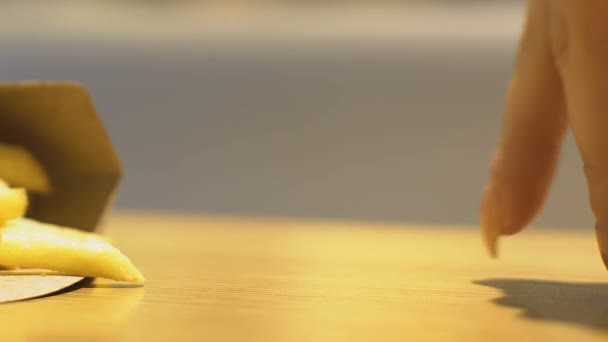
<point x="582" y="304"/>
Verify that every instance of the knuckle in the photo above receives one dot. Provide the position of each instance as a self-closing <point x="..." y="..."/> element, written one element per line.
<point x="558" y="36"/>
<point x="533" y="37"/>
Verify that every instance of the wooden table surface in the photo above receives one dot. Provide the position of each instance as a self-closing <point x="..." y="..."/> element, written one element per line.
<point x="222" y="279"/>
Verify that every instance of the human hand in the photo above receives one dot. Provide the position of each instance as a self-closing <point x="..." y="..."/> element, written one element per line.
<point x="560" y="82"/>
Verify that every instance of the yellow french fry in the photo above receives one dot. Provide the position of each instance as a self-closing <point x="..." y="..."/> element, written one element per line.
<point x="19" y="168"/>
<point x="28" y="243"/>
<point x="13" y="203"/>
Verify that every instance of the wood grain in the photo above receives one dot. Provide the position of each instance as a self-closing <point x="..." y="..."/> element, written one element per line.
<point x="229" y="279"/>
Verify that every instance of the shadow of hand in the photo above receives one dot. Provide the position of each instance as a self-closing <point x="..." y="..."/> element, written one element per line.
<point x="583" y="304"/>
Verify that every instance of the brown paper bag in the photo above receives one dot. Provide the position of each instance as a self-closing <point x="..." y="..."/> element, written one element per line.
<point x="58" y="124"/>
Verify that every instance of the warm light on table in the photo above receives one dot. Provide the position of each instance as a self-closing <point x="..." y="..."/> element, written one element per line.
<point x="222" y="279"/>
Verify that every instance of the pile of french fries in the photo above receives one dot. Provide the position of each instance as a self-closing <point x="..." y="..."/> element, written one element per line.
<point x="26" y="243"/>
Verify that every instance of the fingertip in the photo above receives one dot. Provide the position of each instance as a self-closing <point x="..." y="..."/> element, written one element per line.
<point x="491" y="242"/>
<point x="602" y="241"/>
<point x="491" y="221"/>
<point x="605" y="259"/>
<point x="598" y="199"/>
<point x="604" y="254"/>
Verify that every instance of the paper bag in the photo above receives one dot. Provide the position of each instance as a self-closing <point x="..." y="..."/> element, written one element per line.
<point x="58" y="124"/>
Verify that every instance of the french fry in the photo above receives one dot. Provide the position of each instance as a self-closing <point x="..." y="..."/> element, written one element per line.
<point x="19" y="168"/>
<point x="13" y="203"/>
<point x="28" y="243"/>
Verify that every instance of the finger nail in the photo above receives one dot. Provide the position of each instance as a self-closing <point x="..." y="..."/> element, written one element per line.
<point x="491" y="220"/>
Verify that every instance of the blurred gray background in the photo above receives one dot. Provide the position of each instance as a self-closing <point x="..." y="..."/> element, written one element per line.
<point x="343" y="111"/>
